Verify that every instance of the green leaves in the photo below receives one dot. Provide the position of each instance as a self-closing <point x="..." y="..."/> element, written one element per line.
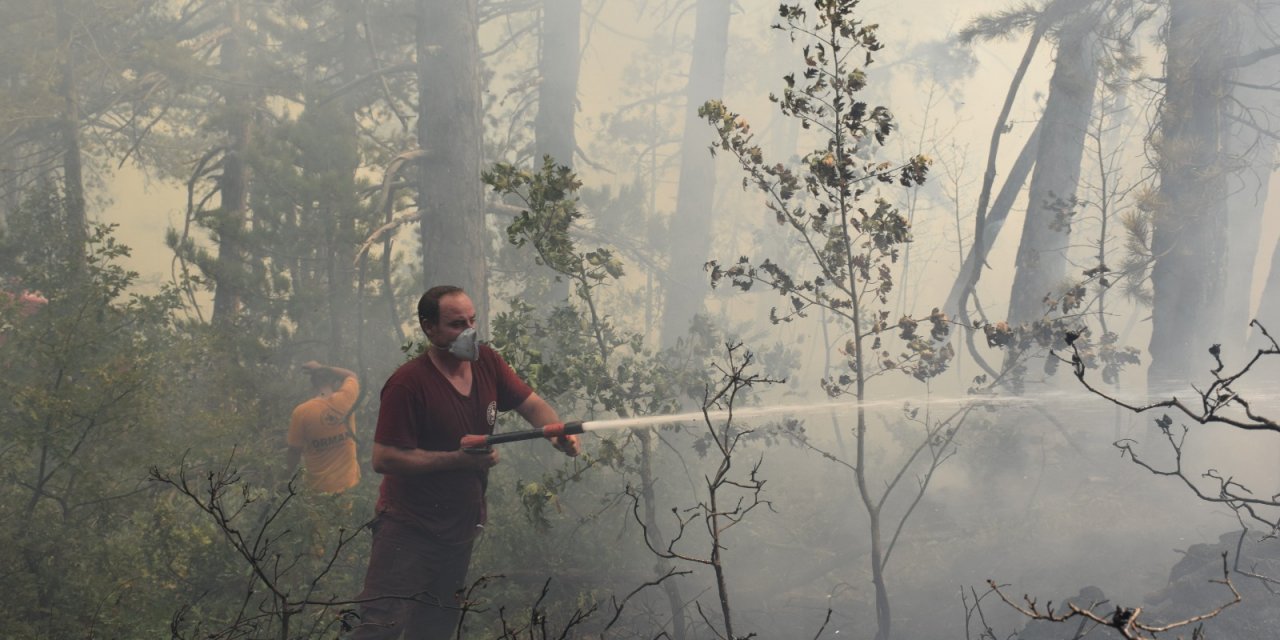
<point x="608" y="264"/>
<point x="575" y="354"/>
<point x="85" y="375"/>
<point x="851" y="248"/>
<point x="550" y="209"/>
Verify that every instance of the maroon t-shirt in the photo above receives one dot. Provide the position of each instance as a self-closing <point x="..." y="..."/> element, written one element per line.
<point x="421" y="410"/>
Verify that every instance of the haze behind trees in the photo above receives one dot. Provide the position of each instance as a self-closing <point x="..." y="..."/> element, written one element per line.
<point x="290" y="177"/>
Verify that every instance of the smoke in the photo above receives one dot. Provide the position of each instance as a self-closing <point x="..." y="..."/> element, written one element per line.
<point x="1031" y="491"/>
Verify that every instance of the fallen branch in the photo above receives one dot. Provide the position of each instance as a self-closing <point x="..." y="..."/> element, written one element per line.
<point x="1125" y="621"/>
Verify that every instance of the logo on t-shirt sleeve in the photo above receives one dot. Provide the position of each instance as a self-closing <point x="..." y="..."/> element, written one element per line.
<point x="491" y="413"/>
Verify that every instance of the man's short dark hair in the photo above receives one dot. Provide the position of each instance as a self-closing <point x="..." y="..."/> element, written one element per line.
<point x="429" y="303"/>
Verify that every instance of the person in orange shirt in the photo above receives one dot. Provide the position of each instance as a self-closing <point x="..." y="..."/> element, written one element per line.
<point x="322" y="430"/>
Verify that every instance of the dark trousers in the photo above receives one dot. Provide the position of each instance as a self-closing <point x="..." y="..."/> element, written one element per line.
<point x="412" y="584"/>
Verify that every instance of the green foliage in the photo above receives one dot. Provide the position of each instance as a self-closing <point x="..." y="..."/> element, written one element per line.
<point x="101" y="385"/>
<point x="110" y="48"/>
<point x="834" y="206"/>
<point x="1001" y="25"/>
<point x="1064" y="325"/>
<point x="551" y="193"/>
<point x="290" y="565"/>
<point x="851" y="246"/>
<point x="588" y="367"/>
<point x="85" y="382"/>
<point x="576" y="348"/>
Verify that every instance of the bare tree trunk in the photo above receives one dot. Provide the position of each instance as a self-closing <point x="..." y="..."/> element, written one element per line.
<point x="229" y="277"/>
<point x="647" y="480"/>
<point x="558" y="66"/>
<point x="968" y="281"/>
<point x="691" y="226"/>
<point x="1188" y="235"/>
<point x="996" y="217"/>
<point x="553" y="127"/>
<point x="339" y="210"/>
<point x="450" y="195"/>
<point x="1041" y="263"/>
<point x="339" y="204"/>
<point x="72" y="172"/>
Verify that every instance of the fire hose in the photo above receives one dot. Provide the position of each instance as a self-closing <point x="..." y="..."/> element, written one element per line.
<point x="481" y="443"/>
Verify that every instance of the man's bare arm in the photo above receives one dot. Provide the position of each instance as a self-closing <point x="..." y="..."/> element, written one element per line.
<point x="538" y="413"/>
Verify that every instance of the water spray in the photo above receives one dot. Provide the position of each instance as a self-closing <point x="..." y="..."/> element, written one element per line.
<point x="479" y="443"/>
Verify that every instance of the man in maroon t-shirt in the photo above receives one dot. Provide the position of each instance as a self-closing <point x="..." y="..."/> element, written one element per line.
<point x="431" y="504"/>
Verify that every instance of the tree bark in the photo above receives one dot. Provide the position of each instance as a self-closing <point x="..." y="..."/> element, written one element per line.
<point x="647" y="482"/>
<point x="450" y="194"/>
<point x="1041" y="262"/>
<point x="558" y="67"/>
<point x="979" y="250"/>
<point x="1188" y="233"/>
<point x="72" y="168"/>
<point x="995" y="218"/>
<point x="691" y="226"/>
<point x="553" y="127"/>
<point x="341" y="208"/>
<point x="229" y="228"/>
<point x="337" y="211"/>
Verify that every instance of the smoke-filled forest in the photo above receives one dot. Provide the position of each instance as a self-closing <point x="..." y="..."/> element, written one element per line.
<point x="883" y="320"/>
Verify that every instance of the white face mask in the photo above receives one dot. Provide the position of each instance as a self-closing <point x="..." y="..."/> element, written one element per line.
<point x="466" y="346"/>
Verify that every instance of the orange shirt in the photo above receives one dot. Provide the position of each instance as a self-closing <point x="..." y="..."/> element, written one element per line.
<point x="328" y="450"/>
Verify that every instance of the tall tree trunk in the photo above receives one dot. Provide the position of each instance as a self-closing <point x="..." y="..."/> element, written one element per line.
<point x="72" y="172"/>
<point x="338" y="202"/>
<point x="968" y="280"/>
<point x="450" y="198"/>
<point x="647" y="483"/>
<point x="1188" y="235"/>
<point x="1041" y="261"/>
<point x="691" y="226"/>
<point x="995" y="218"/>
<point x="553" y="127"/>
<point x="332" y="165"/>
<point x="558" y="66"/>
<point x="229" y="276"/>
